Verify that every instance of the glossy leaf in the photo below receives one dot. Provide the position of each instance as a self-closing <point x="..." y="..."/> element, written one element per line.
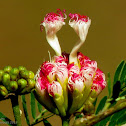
<point x="116" y="116"/>
<point x="101" y="104"/>
<point x="25" y="109"/>
<point x="33" y="109"/>
<point x="109" y="85"/>
<point x="103" y="122"/>
<point x="118" y="72"/>
<point x="46" y="123"/>
<point x="122" y="119"/>
<point x="6" y="120"/>
<point x="123" y="74"/>
<point x="39" y="107"/>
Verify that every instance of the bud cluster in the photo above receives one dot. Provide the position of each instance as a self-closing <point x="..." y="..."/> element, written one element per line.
<point x="15" y="80"/>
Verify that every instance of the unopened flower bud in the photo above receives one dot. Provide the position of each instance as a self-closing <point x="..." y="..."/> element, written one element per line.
<point x="7" y="69"/>
<point x="1" y="75"/>
<point x="13" y="86"/>
<point x="14" y="73"/>
<point x="31" y="84"/>
<point x="31" y="75"/>
<point x="22" y="83"/>
<point x="6" y="79"/>
<point x="3" y="91"/>
<point x="24" y="74"/>
<point x="21" y="68"/>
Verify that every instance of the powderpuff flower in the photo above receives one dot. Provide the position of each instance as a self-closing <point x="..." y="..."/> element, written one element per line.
<point x="64" y="83"/>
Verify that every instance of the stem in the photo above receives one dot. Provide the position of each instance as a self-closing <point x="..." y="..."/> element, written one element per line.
<point x="65" y="121"/>
<point x="16" y="110"/>
<point x="91" y="120"/>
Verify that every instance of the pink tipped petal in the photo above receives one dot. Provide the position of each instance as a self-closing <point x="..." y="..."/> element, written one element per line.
<point x="62" y="72"/>
<point x="76" y="82"/>
<point x="54" y="88"/>
<point x="99" y="82"/>
<point x="49" y="69"/>
<point x="73" y="69"/>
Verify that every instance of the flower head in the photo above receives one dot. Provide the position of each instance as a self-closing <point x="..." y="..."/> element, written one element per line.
<point x="53" y="23"/>
<point x="65" y="74"/>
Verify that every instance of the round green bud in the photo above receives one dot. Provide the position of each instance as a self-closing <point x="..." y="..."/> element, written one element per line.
<point x="1" y="75"/>
<point x="31" y="75"/>
<point x="13" y="77"/>
<point x="22" y="83"/>
<point x="31" y="84"/>
<point x="6" y="79"/>
<point x="14" y="71"/>
<point x="21" y="68"/>
<point x="24" y="74"/>
<point x="13" y="86"/>
<point x="7" y="69"/>
<point x="3" y="91"/>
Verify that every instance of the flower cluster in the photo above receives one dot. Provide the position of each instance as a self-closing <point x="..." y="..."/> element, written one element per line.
<point x="64" y="83"/>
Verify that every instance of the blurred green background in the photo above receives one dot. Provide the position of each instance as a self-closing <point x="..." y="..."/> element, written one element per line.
<point x="22" y="43"/>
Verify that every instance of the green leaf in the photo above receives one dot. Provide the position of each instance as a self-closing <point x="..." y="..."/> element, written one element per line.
<point x="39" y="107"/>
<point x="123" y="93"/>
<point x="118" y="72"/>
<point x="122" y="117"/>
<point x="95" y="102"/>
<point x="109" y="84"/>
<point x="25" y="109"/>
<point x="103" y="122"/>
<point x="115" y="117"/>
<point x="101" y="104"/>
<point x="78" y="116"/>
<point x="6" y="120"/>
<point x="33" y="109"/>
<point x="46" y="123"/>
<point x="123" y="74"/>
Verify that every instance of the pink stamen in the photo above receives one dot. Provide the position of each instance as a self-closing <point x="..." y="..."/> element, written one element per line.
<point x="78" y="17"/>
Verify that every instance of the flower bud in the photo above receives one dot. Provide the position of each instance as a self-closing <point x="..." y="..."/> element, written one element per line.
<point x="14" y="73"/>
<point x="13" y="86"/>
<point x="3" y="91"/>
<point x="1" y="75"/>
<point x="24" y="74"/>
<point x="7" y="69"/>
<point x="20" y="68"/>
<point x="6" y="79"/>
<point x="22" y="83"/>
<point x="31" y="84"/>
<point x="31" y="75"/>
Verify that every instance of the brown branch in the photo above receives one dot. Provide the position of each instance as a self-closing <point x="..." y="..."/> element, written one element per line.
<point x="93" y="119"/>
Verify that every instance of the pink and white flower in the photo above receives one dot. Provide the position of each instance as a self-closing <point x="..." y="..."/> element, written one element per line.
<point x="65" y="74"/>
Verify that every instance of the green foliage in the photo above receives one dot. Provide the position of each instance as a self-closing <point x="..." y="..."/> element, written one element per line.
<point x="109" y="85"/>
<point x="46" y="123"/>
<point x="33" y="109"/>
<point x="101" y="104"/>
<point x="39" y="106"/>
<point x="25" y="109"/>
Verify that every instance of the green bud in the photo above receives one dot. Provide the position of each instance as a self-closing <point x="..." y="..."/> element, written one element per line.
<point x="3" y="91"/>
<point x="24" y="74"/>
<point x="13" y="77"/>
<point x="31" y="84"/>
<point x="14" y="71"/>
<point x="7" y="69"/>
<point x="21" y="68"/>
<point x="1" y="75"/>
<point x="6" y="79"/>
<point x="31" y="75"/>
<point x="22" y="83"/>
<point x="13" y="86"/>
